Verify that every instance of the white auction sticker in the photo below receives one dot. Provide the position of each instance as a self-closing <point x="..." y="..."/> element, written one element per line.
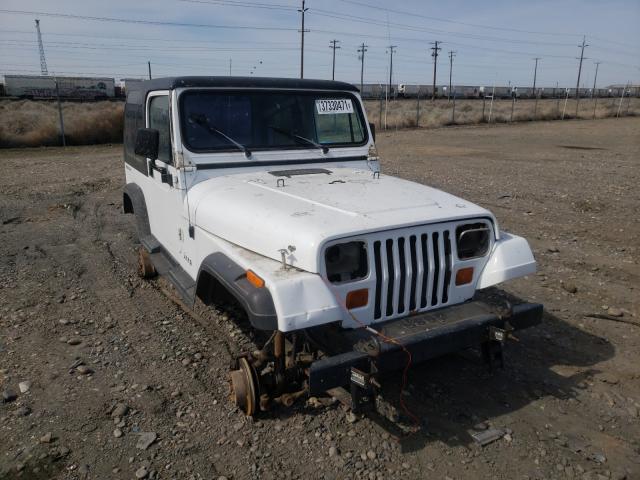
<point x="332" y="106"/>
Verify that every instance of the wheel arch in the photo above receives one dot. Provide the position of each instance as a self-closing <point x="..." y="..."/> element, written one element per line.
<point x="133" y="202"/>
<point x="218" y="271"/>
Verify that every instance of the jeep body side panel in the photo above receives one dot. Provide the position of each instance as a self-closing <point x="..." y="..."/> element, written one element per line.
<point x="301" y="299"/>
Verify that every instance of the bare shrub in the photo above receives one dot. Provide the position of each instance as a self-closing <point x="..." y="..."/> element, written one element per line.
<point x="402" y="113"/>
<point x="27" y="123"/>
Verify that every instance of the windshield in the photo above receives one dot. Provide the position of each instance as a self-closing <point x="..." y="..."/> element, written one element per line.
<point x="270" y="120"/>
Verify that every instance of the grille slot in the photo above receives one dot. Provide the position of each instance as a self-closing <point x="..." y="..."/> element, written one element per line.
<point x="378" y="267"/>
<point x="413" y="272"/>
<point x="391" y="277"/>
<point x="403" y="274"/>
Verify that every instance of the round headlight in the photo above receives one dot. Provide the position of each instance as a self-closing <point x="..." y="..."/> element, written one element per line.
<point x="472" y="240"/>
<point x="346" y="262"/>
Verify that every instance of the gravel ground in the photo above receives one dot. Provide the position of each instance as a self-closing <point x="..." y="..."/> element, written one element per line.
<point x="104" y="376"/>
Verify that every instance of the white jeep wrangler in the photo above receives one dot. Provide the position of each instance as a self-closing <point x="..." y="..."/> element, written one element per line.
<point x="269" y="192"/>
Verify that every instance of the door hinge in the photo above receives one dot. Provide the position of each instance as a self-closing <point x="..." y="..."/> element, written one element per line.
<point x="165" y="176"/>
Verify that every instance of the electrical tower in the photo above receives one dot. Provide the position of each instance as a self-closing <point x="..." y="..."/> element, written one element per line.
<point x="361" y="51"/>
<point x="43" y="61"/>
<point x="334" y="45"/>
<point x="435" y="49"/>
<point x="452" y="54"/>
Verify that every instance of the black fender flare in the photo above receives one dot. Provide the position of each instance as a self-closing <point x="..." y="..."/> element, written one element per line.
<point x="133" y="202"/>
<point x="257" y="302"/>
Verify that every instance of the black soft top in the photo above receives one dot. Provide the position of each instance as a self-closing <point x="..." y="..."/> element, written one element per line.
<point x="169" y="83"/>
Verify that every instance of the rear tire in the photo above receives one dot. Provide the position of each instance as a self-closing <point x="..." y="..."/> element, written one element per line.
<point x="145" y="266"/>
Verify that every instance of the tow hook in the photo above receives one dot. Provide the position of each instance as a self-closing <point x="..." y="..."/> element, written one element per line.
<point x="363" y="389"/>
<point x="493" y="347"/>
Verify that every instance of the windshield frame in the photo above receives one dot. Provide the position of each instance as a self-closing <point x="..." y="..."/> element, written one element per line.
<point x="302" y="91"/>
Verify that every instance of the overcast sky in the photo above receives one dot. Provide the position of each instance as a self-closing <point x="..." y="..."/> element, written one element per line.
<point x="494" y="41"/>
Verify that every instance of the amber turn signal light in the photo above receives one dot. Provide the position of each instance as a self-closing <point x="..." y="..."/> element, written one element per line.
<point x="357" y="298"/>
<point x="464" y="276"/>
<point x="254" y="279"/>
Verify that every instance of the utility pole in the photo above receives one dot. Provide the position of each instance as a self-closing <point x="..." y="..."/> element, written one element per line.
<point x="451" y="55"/>
<point x="391" y="50"/>
<point x="43" y="61"/>
<point x="595" y="78"/>
<point x="334" y="45"/>
<point x="149" y="65"/>
<point x="593" y="92"/>
<point x="302" y="11"/>
<point x="361" y="51"/>
<point x="535" y="75"/>
<point x="435" y="49"/>
<point x="60" y="116"/>
<point x="579" y="72"/>
<point x="230" y="66"/>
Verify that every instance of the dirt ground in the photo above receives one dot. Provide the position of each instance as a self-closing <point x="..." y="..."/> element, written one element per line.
<point x="123" y="383"/>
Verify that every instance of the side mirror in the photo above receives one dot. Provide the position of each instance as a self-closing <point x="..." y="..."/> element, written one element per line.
<point x="372" y="127"/>
<point x="147" y="142"/>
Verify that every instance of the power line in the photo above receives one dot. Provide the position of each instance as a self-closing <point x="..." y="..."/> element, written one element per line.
<point x="101" y="46"/>
<point x="200" y="42"/>
<point x="146" y="22"/>
<point x="414" y="14"/>
<point x="416" y="28"/>
<point x="231" y="3"/>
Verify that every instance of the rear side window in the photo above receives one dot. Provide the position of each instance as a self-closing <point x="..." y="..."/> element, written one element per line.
<point x="159" y="119"/>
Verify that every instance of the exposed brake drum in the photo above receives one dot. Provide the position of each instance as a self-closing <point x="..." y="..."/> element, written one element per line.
<point x="245" y="389"/>
<point x="145" y="265"/>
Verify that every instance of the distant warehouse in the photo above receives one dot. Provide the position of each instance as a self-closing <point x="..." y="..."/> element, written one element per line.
<point x="36" y="86"/>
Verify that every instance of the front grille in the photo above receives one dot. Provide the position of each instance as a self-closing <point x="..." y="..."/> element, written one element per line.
<point x="413" y="272"/>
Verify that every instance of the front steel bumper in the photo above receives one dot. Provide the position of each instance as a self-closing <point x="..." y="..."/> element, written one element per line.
<point x="425" y="336"/>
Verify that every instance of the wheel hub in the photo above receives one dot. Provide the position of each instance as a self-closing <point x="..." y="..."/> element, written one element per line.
<point x="245" y="390"/>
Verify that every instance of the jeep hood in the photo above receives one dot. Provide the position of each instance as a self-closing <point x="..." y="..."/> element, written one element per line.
<point x="264" y="213"/>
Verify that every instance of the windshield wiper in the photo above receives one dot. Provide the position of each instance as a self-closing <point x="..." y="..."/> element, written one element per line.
<point x="295" y="136"/>
<point x="203" y="121"/>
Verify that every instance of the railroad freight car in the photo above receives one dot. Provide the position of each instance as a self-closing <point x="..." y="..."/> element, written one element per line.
<point x="377" y="90"/>
<point x="40" y="87"/>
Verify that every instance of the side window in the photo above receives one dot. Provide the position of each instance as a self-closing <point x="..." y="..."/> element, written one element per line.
<point x="159" y="119"/>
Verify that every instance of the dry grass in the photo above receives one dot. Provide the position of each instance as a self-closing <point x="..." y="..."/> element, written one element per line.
<point x="27" y="123"/>
<point x="403" y="113"/>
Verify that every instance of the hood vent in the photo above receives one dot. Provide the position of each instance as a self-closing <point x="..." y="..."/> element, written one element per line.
<point x="300" y="171"/>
